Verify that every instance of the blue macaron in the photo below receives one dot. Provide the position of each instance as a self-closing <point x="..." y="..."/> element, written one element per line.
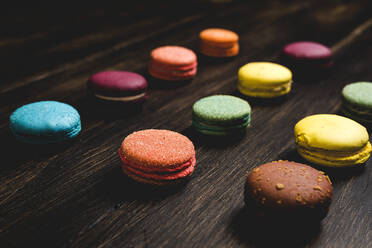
<point x="45" y="122"/>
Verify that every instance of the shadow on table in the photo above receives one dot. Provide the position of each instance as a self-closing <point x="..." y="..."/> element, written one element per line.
<point x="336" y="174"/>
<point x="214" y="141"/>
<point x="253" y="230"/>
<point x="92" y="108"/>
<point x="118" y="188"/>
<point x="255" y="101"/>
<point x="15" y="153"/>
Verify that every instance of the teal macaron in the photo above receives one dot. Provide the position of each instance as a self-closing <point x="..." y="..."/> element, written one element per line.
<point x="221" y="115"/>
<point x="45" y="122"/>
<point x="357" y="101"/>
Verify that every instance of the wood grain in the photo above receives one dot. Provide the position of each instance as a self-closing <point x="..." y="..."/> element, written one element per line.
<point x="75" y="195"/>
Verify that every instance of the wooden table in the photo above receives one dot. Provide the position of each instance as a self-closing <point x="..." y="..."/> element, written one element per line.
<point x="77" y="196"/>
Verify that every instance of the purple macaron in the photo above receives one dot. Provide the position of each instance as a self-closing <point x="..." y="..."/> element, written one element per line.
<point x="122" y="86"/>
<point x="307" y="55"/>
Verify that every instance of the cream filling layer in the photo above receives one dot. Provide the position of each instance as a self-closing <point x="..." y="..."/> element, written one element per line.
<point x="121" y="98"/>
<point x="329" y="157"/>
<point x="263" y="89"/>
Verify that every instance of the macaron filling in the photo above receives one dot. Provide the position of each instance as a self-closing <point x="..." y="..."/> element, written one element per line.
<point x="339" y="158"/>
<point x="122" y="98"/>
<point x="219" y="128"/>
<point x="163" y="176"/>
<point x="47" y="138"/>
<point x="264" y="90"/>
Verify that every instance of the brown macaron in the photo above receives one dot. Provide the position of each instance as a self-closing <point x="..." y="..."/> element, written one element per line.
<point x="289" y="190"/>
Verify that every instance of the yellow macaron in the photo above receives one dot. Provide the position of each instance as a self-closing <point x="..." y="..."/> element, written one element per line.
<point x="264" y="79"/>
<point x="332" y="140"/>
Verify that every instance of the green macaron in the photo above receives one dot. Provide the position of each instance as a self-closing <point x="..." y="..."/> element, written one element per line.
<point x="357" y="101"/>
<point x="221" y="115"/>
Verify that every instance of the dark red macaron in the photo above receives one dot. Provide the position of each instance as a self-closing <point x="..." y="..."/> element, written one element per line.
<point x="122" y="86"/>
<point x="307" y="55"/>
<point x="288" y="190"/>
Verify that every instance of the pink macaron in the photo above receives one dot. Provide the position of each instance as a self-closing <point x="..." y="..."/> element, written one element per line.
<point x="173" y="63"/>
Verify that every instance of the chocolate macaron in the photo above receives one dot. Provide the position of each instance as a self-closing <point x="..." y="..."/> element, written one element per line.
<point x="118" y="86"/>
<point x="288" y="190"/>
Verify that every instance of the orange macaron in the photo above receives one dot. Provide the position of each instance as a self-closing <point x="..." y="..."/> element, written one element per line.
<point x="218" y="42"/>
<point x="157" y="157"/>
<point x="173" y="63"/>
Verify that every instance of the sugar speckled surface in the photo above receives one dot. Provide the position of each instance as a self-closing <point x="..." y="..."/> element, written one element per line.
<point x="157" y="148"/>
<point x="359" y="94"/>
<point x="221" y="108"/>
<point x="45" y="122"/>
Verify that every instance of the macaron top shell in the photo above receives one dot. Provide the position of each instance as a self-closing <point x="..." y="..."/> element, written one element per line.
<point x="330" y="132"/>
<point x="157" y="148"/>
<point x="221" y="108"/>
<point x="173" y="56"/>
<point x="218" y="35"/>
<point x="118" y="83"/>
<point x="265" y="73"/>
<point x="307" y="50"/>
<point x="358" y="94"/>
<point x="284" y="183"/>
<point x="45" y="118"/>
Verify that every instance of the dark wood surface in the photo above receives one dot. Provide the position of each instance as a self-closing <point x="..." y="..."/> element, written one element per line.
<point x="75" y="195"/>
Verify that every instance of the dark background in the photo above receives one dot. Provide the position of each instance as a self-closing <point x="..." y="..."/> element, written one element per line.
<point x="75" y="195"/>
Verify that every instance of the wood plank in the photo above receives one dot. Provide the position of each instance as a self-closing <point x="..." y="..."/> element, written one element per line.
<point x="76" y="196"/>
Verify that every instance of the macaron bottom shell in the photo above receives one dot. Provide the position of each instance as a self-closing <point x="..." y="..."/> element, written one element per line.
<point x="335" y="158"/>
<point x="357" y="114"/>
<point x="164" y="177"/>
<point x="218" y="51"/>
<point x="44" y="139"/>
<point x="220" y="129"/>
<point x="264" y="92"/>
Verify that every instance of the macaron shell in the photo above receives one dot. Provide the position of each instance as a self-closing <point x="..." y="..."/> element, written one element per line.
<point x="150" y="181"/>
<point x="219" y="52"/>
<point x="165" y="176"/>
<point x="330" y="132"/>
<point x="265" y="92"/>
<point x="157" y="148"/>
<point x="283" y="184"/>
<point x="358" y="94"/>
<point x="219" y="37"/>
<point x="45" y="122"/>
<point x="264" y="73"/>
<point x="170" y="75"/>
<point x="336" y="159"/>
<point x="221" y="108"/>
<point x="148" y="169"/>
<point x="117" y="83"/>
<point x="173" y="56"/>
<point x="307" y="50"/>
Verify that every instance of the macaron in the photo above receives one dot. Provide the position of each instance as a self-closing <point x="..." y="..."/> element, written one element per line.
<point x="357" y="101"/>
<point x="118" y="86"/>
<point x="332" y="140"/>
<point x="264" y="80"/>
<point x="45" y="122"/>
<point x="218" y="42"/>
<point x="289" y="191"/>
<point x="158" y="157"/>
<point x="221" y="115"/>
<point x="173" y="63"/>
<point x="307" y="56"/>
